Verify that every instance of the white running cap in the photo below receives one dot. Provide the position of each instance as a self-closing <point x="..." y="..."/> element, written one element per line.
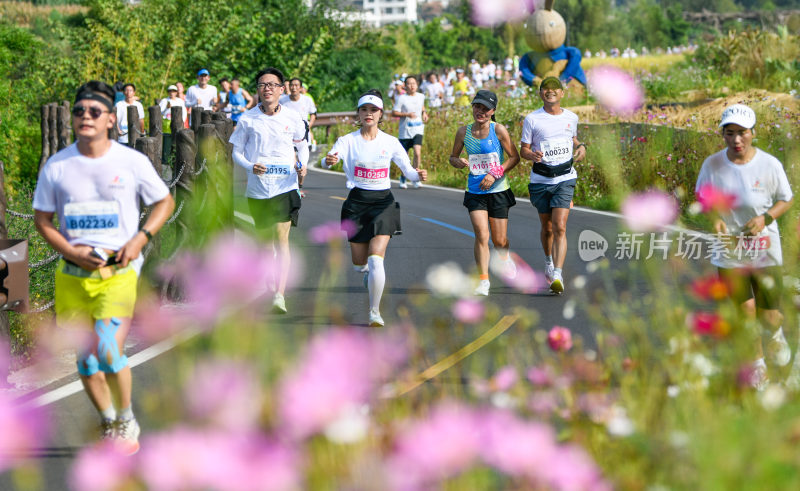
<point x="371" y="99"/>
<point x="738" y="114"/>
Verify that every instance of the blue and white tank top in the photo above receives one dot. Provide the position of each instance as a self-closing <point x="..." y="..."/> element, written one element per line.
<point x="482" y="154"/>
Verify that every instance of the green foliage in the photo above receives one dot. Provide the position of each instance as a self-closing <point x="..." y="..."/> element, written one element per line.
<point x="450" y="41"/>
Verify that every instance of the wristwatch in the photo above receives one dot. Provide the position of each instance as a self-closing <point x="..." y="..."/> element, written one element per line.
<point x="768" y="218"/>
<point x="146" y="234"/>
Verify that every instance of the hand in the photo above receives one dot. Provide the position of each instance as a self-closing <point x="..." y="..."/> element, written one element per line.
<point x="425" y="117"/>
<point x="131" y="250"/>
<point x="83" y="257"/>
<point x="259" y="169"/>
<point x="755" y="225"/>
<point x="411" y="115"/>
<point x="302" y="171"/>
<point x="538" y="155"/>
<point x="487" y="182"/>
<point x="720" y="227"/>
<point x="459" y="163"/>
<point x="331" y="159"/>
<point x="579" y="154"/>
<point x="423" y="174"/>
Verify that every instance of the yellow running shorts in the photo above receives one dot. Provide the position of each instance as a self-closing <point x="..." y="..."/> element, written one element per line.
<point x="83" y="296"/>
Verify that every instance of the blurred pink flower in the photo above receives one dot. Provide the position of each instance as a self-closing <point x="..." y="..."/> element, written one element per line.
<point x="572" y="469"/>
<point x="437" y="447"/>
<point x="332" y="231"/>
<point x="117" y="468"/>
<point x="23" y="429"/>
<point x="615" y="89"/>
<point x="541" y="376"/>
<point x="185" y="458"/>
<point x="714" y="199"/>
<point x="648" y="211"/>
<point x="526" y="280"/>
<point x="516" y="447"/>
<point x="559" y="338"/>
<point x="709" y="324"/>
<point x="339" y="369"/>
<point x="488" y="13"/>
<point x="502" y="381"/>
<point x="468" y="310"/>
<point x="5" y="363"/>
<point x="543" y="402"/>
<point x="225" y="393"/>
<point x="154" y="321"/>
<point x="230" y="272"/>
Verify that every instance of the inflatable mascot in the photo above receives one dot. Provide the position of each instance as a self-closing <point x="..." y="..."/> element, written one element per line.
<point x="545" y="31"/>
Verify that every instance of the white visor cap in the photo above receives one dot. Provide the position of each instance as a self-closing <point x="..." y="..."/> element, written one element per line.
<point x="738" y="114"/>
<point x="371" y="99"/>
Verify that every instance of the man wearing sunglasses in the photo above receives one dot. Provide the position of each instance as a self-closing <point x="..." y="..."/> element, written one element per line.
<point x="264" y="144"/>
<point x="94" y="186"/>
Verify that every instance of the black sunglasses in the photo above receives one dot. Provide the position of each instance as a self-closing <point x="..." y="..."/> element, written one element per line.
<point x="94" y="112"/>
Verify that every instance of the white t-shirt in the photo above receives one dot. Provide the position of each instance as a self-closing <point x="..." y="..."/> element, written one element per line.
<point x="269" y="140"/>
<point x="304" y="106"/>
<point x="435" y="93"/>
<point x="758" y="184"/>
<point x="552" y="135"/>
<point x="166" y="111"/>
<point x="97" y="200"/>
<point x="122" y="118"/>
<point x="204" y="98"/>
<point x="366" y="162"/>
<point x="406" y="103"/>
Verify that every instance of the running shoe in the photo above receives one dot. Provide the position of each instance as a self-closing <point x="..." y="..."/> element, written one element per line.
<point x="509" y="268"/>
<point x="417" y="185"/>
<point x="483" y="288"/>
<point x="128" y="436"/>
<point x="278" y="304"/>
<point x="108" y="429"/>
<point x="375" y="319"/>
<point x="758" y="376"/>
<point x="557" y="285"/>
<point x="403" y="185"/>
<point x="778" y="349"/>
<point x="548" y="272"/>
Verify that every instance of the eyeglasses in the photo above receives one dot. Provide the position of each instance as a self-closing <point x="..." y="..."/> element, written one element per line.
<point x="268" y="85"/>
<point x="94" y="112"/>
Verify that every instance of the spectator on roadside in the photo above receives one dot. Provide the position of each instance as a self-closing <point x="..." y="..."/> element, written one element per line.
<point x="239" y="100"/>
<point x="119" y="95"/>
<point x="434" y="91"/>
<point x="222" y="97"/>
<point x="172" y="100"/>
<point x="121" y="109"/>
<point x="181" y="92"/>
<point x="202" y="94"/>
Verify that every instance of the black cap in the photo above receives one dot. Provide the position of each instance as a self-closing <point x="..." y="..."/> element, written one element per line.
<point x="487" y="98"/>
<point x="550" y="82"/>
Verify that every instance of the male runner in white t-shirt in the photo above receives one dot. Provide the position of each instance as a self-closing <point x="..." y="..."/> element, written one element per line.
<point x="122" y="112"/>
<point x="202" y="94"/>
<point x="550" y="140"/>
<point x="410" y="108"/>
<point x="304" y="105"/>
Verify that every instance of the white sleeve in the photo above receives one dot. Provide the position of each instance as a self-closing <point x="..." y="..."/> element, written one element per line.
<point x="784" y="190"/>
<point x="702" y="177"/>
<point x="339" y="148"/>
<point x="239" y="139"/>
<point x="312" y="108"/>
<point x="190" y="100"/>
<point x="400" y="158"/>
<point x="241" y="161"/>
<point x="527" y="130"/>
<point x="141" y="110"/>
<point x="44" y="198"/>
<point x="149" y="186"/>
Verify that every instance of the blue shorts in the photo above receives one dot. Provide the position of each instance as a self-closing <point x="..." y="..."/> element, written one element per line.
<point x="545" y="197"/>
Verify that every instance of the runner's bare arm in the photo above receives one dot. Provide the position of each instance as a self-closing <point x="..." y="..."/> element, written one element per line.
<point x="580" y="149"/>
<point x="757" y="224"/>
<point x="512" y="156"/>
<point x="78" y="254"/>
<point x="528" y="154"/>
<point x="158" y="216"/>
<point x="458" y="145"/>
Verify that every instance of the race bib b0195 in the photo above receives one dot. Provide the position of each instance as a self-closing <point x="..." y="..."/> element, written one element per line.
<point x="556" y="149"/>
<point x="482" y="163"/>
<point x="371" y="173"/>
<point x="92" y="218"/>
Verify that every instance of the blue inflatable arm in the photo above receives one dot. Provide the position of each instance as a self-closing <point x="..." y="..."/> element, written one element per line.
<point x="526" y="67"/>
<point x="573" y="68"/>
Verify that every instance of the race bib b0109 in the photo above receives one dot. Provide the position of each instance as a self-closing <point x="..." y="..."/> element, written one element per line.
<point x="482" y="163"/>
<point x="92" y="218"/>
<point x="556" y="149"/>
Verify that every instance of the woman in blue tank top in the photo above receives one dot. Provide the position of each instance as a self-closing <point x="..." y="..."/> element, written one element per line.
<point x="488" y="196"/>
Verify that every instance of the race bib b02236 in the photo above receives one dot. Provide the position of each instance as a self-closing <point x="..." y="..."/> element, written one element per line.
<point x="92" y="218"/>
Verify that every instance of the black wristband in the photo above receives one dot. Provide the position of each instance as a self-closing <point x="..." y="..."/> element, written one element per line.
<point x="580" y="145"/>
<point x="768" y="219"/>
<point x="146" y="234"/>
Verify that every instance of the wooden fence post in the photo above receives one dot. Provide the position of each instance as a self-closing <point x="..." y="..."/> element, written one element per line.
<point x="67" y="135"/>
<point x="133" y="126"/>
<point x="176" y="122"/>
<point x="205" y="117"/>
<point x="197" y="118"/>
<point x="52" y="121"/>
<point x="45" y="125"/>
<point x="149" y="147"/>
<point x="5" y="328"/>
<point x="156" y="131"/>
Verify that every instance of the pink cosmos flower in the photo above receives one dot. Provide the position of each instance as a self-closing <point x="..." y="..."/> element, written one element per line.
<point x="541" y="376"/>
<point x="489" y="13"/>
<point x="117" y="468"/>
<point x="709" y="324"/>
<point x="559" y="338"/>
<point x="572" y="469"/>
<point x="648" y="211"/>
<point x="22" y="429"/>
<point x="340" y="369"/>
<point x="468" y="310"/>
<point x="154" y="321"/>
<point x="516" y="447"/>
<point x="714" y="199"/>
<point x="437" y="447"/>
<point x="502" y="381"/>
<point x="543" y="402"/>
<point x="226" y="394"/>
<point x="332" y="231"/>
<point x="615" y="89"/>
<point x="711" y="287"/>
<point x="526" y="279"/>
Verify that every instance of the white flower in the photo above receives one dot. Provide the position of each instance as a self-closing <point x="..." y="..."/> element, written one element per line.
<point x="569" y="309"/>
<point x="619" y="424"/>
<point x="772" y="397"/>
<point x="350" y="427"/>
<point x="448" y="280"/>
<point x="673" y="391"/>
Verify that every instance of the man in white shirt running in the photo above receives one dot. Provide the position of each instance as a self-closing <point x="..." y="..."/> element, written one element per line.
<point x="121" y="110"/>
<point x="410" y="108"/>
<point x="202" y="94"/>
<point x="550" y="140"/>
<point x="264" y="144"/>
<point x="304" y="105"/>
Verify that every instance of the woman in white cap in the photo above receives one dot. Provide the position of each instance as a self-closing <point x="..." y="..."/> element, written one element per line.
<point x="370" y="214"/>
<point x="168" y="103"/>
<point x="750" y="261"/>
<point x="488" y="196"/>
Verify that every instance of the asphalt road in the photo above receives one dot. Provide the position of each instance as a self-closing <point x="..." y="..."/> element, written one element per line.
<point x="436" y="229"/>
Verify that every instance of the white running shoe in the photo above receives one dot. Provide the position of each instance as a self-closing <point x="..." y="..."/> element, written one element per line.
<point x="548" y="272"/>
<point x="483" y="288"/>
<point x="108" y="429"/>
<point x="557" y="285"/>
<point x="778" y="349"/>
<point x="417" y="185"/>
<point x="128" y="436"/>
<point x="279" y="304"/>
<point x="509" y="268"/>
<point x="375" y="319"/>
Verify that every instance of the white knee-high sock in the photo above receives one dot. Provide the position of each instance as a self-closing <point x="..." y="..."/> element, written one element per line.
<point x="377" y="279"/>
